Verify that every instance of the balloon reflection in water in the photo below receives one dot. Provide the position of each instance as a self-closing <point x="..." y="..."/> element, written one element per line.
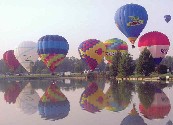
<point x="119" y="96"/>
<point x="169" y="123"/>
<point x="93" y="99"/>
<point x="53" y="104"/>
<point x="159" y="106"/>
<point x="28" y="100"/>
<point x="133" y="118"/>
<point x="12" y="93"/>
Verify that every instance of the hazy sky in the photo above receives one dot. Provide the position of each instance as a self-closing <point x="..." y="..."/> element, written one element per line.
<point x="76" y="20"/>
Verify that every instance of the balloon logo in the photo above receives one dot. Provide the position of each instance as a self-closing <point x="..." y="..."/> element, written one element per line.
<point x="92" y="52"/>
<point x="114" y="45"/>
<point x="157" y="43"/>
<point x="131" y="20"/>
<point x="26" y="54"/>
<point x="52" y="50"/>
<point x="167" y="18"/>
<point x="10" y="59"/>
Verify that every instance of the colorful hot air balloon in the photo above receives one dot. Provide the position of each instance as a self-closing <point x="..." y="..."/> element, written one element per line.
<point x="92" y="52"/>
<point x="157" y="43"/>
<point x="167" y="18"/>
<point x="53" y="105"/>
<point x="52" y="50"/>
<point x="133" y="118"/>
<point x="114" y="45"/>
<point x="10" y="59"/>
<point x="159" y="108"/>
<point x="131" y="20"/>
<point x="28" y="100"/>
<point x="26" y="54"/>
<point x="93" y="99"/>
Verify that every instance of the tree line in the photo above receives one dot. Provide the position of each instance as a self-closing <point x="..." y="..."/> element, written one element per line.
<point x="122" y="65"/>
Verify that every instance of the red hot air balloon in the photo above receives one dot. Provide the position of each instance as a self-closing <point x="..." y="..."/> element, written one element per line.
<point x="11" y="60"/>
<point x="157" y="43"/>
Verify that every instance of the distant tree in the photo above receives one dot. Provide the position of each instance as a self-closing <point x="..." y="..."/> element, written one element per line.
<point x="126" y="66"/>
<point x="162" y="69"/>
<point x="115" y="63"/>
<point x="145" y="64"/>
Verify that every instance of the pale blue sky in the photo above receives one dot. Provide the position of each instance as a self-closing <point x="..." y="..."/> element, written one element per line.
<point x="76" y="20"/>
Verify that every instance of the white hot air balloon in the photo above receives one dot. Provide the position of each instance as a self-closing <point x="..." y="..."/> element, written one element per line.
<point x="26" y="54"/>
<point x="28" y="100"/>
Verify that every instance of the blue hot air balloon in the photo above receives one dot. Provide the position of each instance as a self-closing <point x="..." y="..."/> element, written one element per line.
<point x="52" y="50"/>
<point x="167" y="18"/>
<point x="131" y="20"/>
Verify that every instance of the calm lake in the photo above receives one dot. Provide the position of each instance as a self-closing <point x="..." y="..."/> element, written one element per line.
<point x="79" y="102"/>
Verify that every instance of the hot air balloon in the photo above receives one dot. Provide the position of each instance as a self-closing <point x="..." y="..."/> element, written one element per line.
<point x="133" y="118"/>
<point x="26" y="54"/>
<point x="12" y="93"/>
<point x="52" y="50"/>
<point x="114" y="45"/>
<point x="131" y="20"/>
<point x="157" y="43"/>
<point x="92" y="52"/>
<point x="28" y="100"/>
<point x="53" y="105"/>
<point x="93" y="99"/>
<point x="10" y="59"/>
<point x="159" y="108"/>
<point x="167" y="18"/>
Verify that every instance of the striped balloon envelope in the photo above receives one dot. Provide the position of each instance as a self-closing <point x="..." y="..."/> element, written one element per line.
<point x="157" y="43"/>
<point x="92" y="52"/>
<point x="52" y="50"/>
<point x="114" y="45"/>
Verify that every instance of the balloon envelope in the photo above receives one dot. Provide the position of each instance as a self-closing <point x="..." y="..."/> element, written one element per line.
<point x="157" y="43"/>
<point x="52" y="50"/>
<point x="53" y="104"/>
<point x="159" y="108"/>
<point x="114" y="45"/>
<point x="167" y="18"/>
<point x="131" y="20"/>
<point x="10" y="59"/>
<point x="92" y="52"/>
<point x="28" y="100"/>
<point x="133" y="118"/>
<point x="26" y="54"/>
<point x="12" y="93"/>
<point x="93" y="99"/>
